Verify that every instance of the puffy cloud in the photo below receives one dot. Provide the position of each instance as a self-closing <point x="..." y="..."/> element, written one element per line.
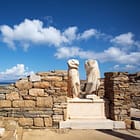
<point x="124" y="39"/>
<point x="33" y="31"/>
<point x="88" y="34"/>
<point x="70" y="33"/>
<point x="111" y="54"/>
<point x="15" y="72"/>
<point x="69" y="52"/>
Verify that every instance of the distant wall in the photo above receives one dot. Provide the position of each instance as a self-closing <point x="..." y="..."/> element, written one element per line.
<point x="36" y="101"/>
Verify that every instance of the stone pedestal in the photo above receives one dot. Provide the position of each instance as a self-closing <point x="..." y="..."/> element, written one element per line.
<point x="86" y="109"/>
<point x="86" y="114"/>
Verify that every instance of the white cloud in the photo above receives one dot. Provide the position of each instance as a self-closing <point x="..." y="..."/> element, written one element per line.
<point x="70" y="33"/>
<point x="126" y="67"/>
<point x="112" y="54"/>
<point x="124" y="39"/>
<point x="88" y="34"/>
<point x="68" y="52"/>
<point x="15" y="72"/>
<point x="33" y="31"/>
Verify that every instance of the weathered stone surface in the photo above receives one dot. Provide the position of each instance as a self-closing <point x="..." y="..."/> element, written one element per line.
<point x="42" y="85"/>
<point x="58" y="111"/>
<point x="44" y="102"/>
<point x="29" y="97"/>
<point x="23" y="84"/>
<point x="23" y="92"/>
<point x="39" y="122"/>
<point x="37" y="113"/>
<point x="51" y="78"/>
<point x="19" y="103"/>
<point x="12" y="96"/>
<point x="57" y="117"/>
<point x="35" y="78"/>
<point x="2" y="96"/>
<point x="29" y="103"/>
<point x="60" y="99"/>
<point x="25" y="121"/>
<point x="24" y="103"/>
<point x="123" y="85"/>
<point x="4" y="91"/>
<point x="92" y="76"/>
<point x="60" y="84"/>
<point x="48" y="122"/>
<point x="5" y="103"/>
<point x="2" y="132"/>
<point x="36" y="92"/>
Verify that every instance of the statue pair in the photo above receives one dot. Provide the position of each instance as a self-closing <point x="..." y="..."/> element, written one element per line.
<point x="92" y="77"/>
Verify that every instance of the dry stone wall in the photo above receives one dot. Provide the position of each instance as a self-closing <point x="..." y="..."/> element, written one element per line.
<point x="39" y="100"/>
<point x="134" y="87"/>
<point x="118" y="94"/>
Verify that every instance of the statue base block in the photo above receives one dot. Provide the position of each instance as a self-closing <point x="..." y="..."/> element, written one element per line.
<point x="86" y="109"/>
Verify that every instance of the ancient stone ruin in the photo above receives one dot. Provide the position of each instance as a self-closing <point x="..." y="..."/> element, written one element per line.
<point x="58" y="99"/>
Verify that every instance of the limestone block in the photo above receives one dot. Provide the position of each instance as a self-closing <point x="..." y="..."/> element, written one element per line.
<point x="5" y="103"/>
<point x="50" y="91"/>
<point x="41" y="85"/>
<point x="4" y="91"/>
<point x="19" y="103"/>
<point x="24" y="103"/>
<point x="2" y="96"/>
<point x="35" y="78"/>
<point x="48" y="122"/>
<point x="23" y="92"/>
<point x="60" y="99"/>
<point x="123" y="85"/>
<point x="29" y="97"/>
<point x="25" y="121"/>
<point x="121" y="78"/>
<point x="65" y="114"/>
<point x="128" y="123"/>
<point x="23" y="84"/>
<point x="12" y="96"/>
<point x="2" y="131"/>
<point x="44" y="102"/>
<point x="39" y="122"/>
<point x="52" y="78"/>
<point x="36" y="92"/>
<point x="136" y="125"/>
<point x="60" y="84"/>
<point x="58" y="111"/>
<point x="64" y="89"/>
<point x="57" y="117"/>
<point x="119" y="125"/>
<point x="29" y="103"/>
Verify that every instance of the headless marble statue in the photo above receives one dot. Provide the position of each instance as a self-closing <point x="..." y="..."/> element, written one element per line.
<point x="73" y="78"/>
<point x="93" y="76"/>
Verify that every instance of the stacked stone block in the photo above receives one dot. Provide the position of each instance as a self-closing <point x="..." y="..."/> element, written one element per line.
<point x="39" y="100"/>
<point x="134" y="87"/>
<point x="117" y="92"/>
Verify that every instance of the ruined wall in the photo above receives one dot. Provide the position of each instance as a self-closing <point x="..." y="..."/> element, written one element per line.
<point x="41" y="100"/>
<point x="118" y="94"/>
<point x="134" y="87"/>
<point x="36" y="101"/>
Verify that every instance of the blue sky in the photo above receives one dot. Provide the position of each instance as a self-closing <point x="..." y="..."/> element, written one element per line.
<point x="41" y="35"/>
